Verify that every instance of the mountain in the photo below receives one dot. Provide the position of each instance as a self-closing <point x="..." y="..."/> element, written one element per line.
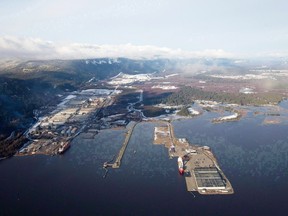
<point x="80" y="69"/>
<point x="26" y="86"/>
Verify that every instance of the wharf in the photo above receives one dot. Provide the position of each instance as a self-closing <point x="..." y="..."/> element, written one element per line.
<point x="201" y="170"/>
<point x="120" y="155"/>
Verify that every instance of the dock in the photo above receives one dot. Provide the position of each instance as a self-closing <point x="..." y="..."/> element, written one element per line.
<point x="121" y="152"/>
<point x="201" y="170"/>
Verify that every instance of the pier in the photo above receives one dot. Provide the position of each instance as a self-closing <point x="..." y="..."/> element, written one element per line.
<point x="201" y="170"/>
<point x="120" y="155"/>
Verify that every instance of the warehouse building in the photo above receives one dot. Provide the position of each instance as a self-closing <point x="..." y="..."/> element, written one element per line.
<point x="208" y="178"/>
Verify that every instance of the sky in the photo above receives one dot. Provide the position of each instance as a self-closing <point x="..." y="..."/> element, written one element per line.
<point x="216" y="27"/>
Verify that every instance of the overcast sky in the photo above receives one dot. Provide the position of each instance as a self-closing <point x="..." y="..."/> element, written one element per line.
<point x="236" y="26"/>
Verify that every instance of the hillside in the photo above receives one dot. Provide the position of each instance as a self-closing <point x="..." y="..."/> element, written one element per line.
<point x="26" y="86"/>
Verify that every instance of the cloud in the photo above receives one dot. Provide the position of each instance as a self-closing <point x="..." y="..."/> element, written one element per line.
<point x="15" y="47"/>
<point x="33" y="48"/>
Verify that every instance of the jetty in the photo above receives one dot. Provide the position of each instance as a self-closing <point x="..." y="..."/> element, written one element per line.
<point x="201" y="170"/>
<point x="117" y="162"/>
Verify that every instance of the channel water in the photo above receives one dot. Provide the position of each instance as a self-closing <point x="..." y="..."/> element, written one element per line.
<point x="253" y="155"/>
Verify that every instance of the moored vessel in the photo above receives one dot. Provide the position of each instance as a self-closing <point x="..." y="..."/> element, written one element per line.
<point x="180" y="166"/>
<point x="63" y="147"/>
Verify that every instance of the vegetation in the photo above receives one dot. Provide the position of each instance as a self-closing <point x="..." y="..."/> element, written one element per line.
<point x="154" y="97"/>
<point x="26" y="86"/>
<point x="81" y="70"/>
<point x="18" y="99"/>
<point x="187" y="95"/>
<point x="152" y="111"/>
<point x="9" y="146"/>
<point x="184" y="111"/>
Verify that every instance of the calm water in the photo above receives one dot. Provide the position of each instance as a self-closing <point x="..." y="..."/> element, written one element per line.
<point x="253" y="155"/>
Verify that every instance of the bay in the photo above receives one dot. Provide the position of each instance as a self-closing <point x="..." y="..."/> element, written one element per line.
<point x="253" y="155"/>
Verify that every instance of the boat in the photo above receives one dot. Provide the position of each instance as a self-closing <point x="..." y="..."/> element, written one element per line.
<point x="63" y="147"/>
<point x="180" y="166"/>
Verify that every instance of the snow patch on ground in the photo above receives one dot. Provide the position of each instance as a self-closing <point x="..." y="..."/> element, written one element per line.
<point x="123" y="79"/>
<point x="193" y="111"/>
<point x="164" y="87"/>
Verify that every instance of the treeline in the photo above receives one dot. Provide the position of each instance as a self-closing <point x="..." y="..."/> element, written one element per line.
<point x="9" y="146"/>
<point x="184" y="111"/>
<point x="188" y="95"/>
<point x="152" y="111"/>
<point x="18" y="99"/>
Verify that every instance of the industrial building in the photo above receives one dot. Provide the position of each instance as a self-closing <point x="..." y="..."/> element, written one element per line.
<point x="208" y="178"/>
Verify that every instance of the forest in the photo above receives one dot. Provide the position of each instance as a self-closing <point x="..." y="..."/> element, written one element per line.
<point x="188" y="95"/>
<point x="10" y="145"/>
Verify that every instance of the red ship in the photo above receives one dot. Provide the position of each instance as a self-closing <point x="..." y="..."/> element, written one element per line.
<point x="180" y="166"/>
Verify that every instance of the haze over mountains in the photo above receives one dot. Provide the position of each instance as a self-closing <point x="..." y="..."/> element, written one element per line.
<point x="33" y="48"/>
